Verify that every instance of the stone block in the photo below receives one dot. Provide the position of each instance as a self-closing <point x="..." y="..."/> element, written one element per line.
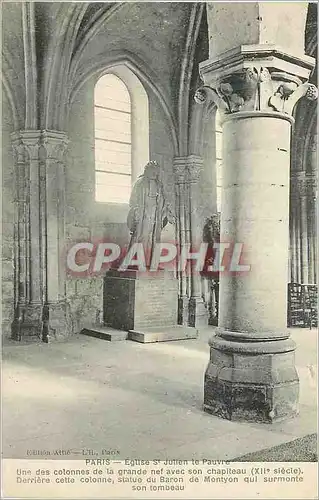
<point x="28" y="322"/>
<point x="7" y="310"/>
<point x="86" y="287"/>
<point x="34" y="322"/>
<point x="6" y="328"/>
<point x="105" y="333"/>
<point x="145" y="304"/>
<point x="118" y="302"/>
<point x="7" y="289"/>
<point x="70" y="287"/>
<point x="78" y="233"/>
<point x="7" y="270"/>
<point x="7" y="229"/>
<point x="135" y="300"/>
<point x="251" y="384"/>
<point x="160" y="334"/>
<point x="85" y="310"/>
<point x="7" y="248"/>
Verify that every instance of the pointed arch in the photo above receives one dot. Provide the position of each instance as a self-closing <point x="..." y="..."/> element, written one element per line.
<point x="115" y="59"/>
<point x="63" y="56"/>
<point x="186" y="74"/>
<point x="121" y="133"/>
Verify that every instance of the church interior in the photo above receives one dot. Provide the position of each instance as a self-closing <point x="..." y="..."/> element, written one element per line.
<point x="222" y="96"/>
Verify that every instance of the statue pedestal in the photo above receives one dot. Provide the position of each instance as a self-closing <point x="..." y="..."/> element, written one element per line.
<point x="144" y="305"/>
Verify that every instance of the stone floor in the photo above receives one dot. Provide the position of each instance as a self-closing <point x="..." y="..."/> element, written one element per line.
<point x="132" y="400"/>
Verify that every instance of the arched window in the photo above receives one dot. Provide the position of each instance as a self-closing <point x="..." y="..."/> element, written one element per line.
<point x="219" y="160"/>
<point x="121" y="133"/>
<point x="113" y="140"/>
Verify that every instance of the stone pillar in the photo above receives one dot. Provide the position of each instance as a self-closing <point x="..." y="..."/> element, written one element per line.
<point x="303" y="199"/>
<point x="311" y="198"/>
<point x="187" y="171"/>
<point x="251" y="374"/>
<point x="312" y="204"/>
<point x="197" y="315"/>
<point x="182" y="234"/>
<point x="57" y="309"/>
<point x="292" y="232"/>
<point x="302" y="189"/>
<point x="39" y="238"/>
<point x="297" y="278"/>
<point x="28" y="308"/>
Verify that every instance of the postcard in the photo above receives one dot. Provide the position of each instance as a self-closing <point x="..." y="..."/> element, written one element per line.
<point x="159" y="250"/>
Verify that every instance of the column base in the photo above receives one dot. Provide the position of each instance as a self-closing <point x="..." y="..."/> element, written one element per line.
<point x="57" y="322"/>
<point x="27" y="322"/>
<point x="251" y="381"/>
<point x="197" y="312"/>
<point x="182" y="314"/>
<point x="34" y="322"/>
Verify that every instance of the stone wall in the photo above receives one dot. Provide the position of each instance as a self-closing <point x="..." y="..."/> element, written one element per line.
<point x="88" y="220"/>
<point x="153" y="32"/>
<point x="7" y="219"/>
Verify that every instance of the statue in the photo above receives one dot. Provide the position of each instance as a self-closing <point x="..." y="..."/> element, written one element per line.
<point x="149" y="211"/>
<point x="211" y="230"/>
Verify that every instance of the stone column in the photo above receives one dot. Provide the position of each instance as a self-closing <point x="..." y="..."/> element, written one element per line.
<point x="197" y="315"/>
<point x="312" y="199"/>
<point x="297" y="238"/>
<point x="311" y="182"/>
<point x="302" y="190"/>
<point x="182" y="234"/>
<point x="28" y="308"/>
<point x="57" y="309"/>
<point x="40" y="309"/>
<point x="21" y="260"/>
<point x="187" y="172"/>
<point x="304" y="185"/>
<point x="292" y="232"/>
<point x="251" y="374"/>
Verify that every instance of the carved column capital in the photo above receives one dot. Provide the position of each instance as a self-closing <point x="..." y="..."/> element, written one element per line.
<point x="194" y="167"/>
<point x="31" y="139"/>
<point x="18" y="148"/>
<point x="180" y="171"/>
<point x="26" y="142"/>
<point x="55" y="144"/>
<point x="187" y="168"/>
<point x="287" y="93"/>
<point x="255" y="78"/>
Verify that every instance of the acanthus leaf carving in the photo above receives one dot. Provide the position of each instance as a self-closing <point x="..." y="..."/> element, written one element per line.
<point x="187" y="169"/>
<point x="55" y="147"/>
<point x="180" y="171"/>
<point x="205" y="93"/>
<point x="288" y="94"/>
<point x="257" y="89"/>
<point x="194" y="168"/>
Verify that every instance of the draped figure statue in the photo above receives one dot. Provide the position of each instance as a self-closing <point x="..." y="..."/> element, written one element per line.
<point x="149" y="210"/>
